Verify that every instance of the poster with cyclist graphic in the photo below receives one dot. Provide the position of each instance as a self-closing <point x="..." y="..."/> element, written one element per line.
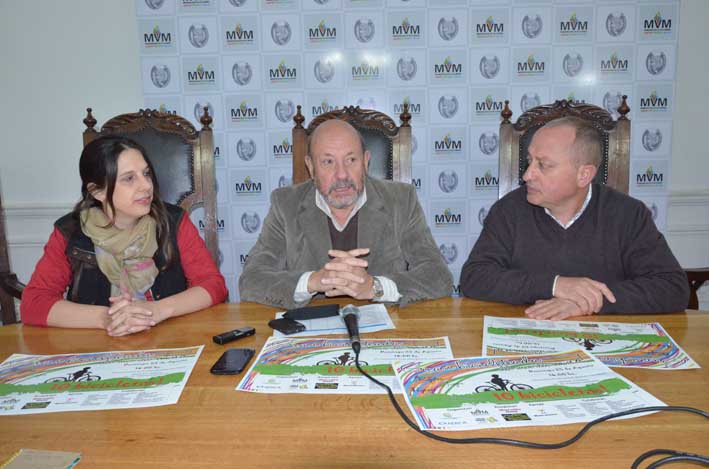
<point x="498" y="392"/>
<point x="36" y="384"/>
<point x="622" y="345"/>
<point x="327" y="366"/>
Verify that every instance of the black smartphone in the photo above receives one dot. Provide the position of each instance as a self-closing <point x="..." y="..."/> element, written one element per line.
<point x="286" y="326"/>
<point x="233" y="361"/>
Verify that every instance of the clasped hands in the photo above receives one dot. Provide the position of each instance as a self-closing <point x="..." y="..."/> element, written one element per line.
<point x="127" y="315"/>
<point x="573" y="296"/>
<point x="344" y="274"/>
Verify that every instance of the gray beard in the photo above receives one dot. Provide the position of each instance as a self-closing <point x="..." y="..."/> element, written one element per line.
<point x="334" y="203"/>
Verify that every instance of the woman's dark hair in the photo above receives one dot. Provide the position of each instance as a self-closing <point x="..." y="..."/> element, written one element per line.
<point x="98" y="167"/>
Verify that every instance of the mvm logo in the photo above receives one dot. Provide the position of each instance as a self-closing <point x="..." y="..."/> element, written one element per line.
<point x="653" y="103"/>
<point x="573" y="26"/>
<point x="447" y="69"/>
<point x="657" y="24"/>
<point x="239" y="35"/>
<point x="283" y="149"/>
<point x="200" y="76"/>
<point x="448" y="218"/>
<point x="157" y="38"/>
<point x="406" y="30"/>
<point x="244" y="113"/>
<point x="649" y="178"/>
<point x="322" y="33"/>
<point x="448" y="145"/>
<point x="489" y="106"/>
<point x="416" y="182"/>
<point x="531" y="66"/>
<point x="414" y="108"/>
<point x="243" y="258"/>
<point x="487" y="181"/>
<point x="220" y="225"/>
<point x="322" y="108"/>
<point x="572" y="98"/>
<point x="247" y="187"/>
<point x="614" y="64"/>
<point x="163" y="108"/>
<point x="282" y="73"/>
<point x="365" y="72"/>
<point x="456" y="290"/>
<point x="490" y="28"/>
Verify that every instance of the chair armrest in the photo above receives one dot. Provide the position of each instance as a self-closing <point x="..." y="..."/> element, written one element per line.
<point x="696" y="278"/>
<point x="9" y="283"/>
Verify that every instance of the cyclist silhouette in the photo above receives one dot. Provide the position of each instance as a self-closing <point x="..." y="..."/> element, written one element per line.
<point x="344" y="358"/>
<point x="81" y="375"/>
<point x="501" y="383"/>
<point x="588" y="344"/>
<point x="75" y="376"/>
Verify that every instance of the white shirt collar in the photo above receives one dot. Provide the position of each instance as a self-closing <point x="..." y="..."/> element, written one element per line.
<point x="578" y="214"/>
<point x="322" y="205"/>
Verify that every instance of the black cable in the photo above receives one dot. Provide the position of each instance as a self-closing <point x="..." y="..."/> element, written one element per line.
<point x="688" y="457"/>
<point x="675" y="456"/>
<point x="524" y="444"/>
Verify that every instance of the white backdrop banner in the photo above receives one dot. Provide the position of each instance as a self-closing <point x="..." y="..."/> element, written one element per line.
<point x="454" y="61"/>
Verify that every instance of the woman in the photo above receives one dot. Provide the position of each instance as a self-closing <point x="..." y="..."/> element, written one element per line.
<point x="129" y="260"/>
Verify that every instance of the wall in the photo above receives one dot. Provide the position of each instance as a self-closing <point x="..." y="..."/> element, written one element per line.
<point x="691" y="166"/>
<point x="62" y="57"/>
<point x="688" y="208"/>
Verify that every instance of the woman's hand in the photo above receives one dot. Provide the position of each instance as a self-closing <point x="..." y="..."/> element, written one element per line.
<point x="128" y="316"/>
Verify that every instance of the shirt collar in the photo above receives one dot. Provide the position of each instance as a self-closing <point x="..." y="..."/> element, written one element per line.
<point x="578" y="214"/>
<point x="322" y="205"/>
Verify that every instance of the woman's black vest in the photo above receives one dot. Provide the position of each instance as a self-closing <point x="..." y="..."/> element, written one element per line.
<point x="90" y="286"/>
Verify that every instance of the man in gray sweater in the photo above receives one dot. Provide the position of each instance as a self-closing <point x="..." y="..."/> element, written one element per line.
<point x="570" y="247"/>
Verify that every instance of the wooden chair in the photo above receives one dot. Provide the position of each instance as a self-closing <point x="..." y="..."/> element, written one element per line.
<point x="183" y="159"/>
<point x="389" y="145"/>
<point x="515" y="138"/>
<point x="10" y="287"/>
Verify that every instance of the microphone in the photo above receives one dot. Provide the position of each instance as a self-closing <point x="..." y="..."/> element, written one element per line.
<point x="350" y="315"/>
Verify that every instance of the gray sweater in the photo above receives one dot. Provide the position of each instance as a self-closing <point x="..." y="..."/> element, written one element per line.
<point x="521" y="249"/>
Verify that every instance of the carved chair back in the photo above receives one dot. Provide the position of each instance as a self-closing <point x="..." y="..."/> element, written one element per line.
<point x="615" y="135"/>
<point x="388" y="144"/>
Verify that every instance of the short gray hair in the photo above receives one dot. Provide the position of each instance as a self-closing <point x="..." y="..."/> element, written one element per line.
<point x="586" y="147"/>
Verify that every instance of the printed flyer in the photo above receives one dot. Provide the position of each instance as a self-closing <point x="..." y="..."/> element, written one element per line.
<point x="498" y="392"/>
<point x="615" y="344"/>
<point x="35" y="384"/>
<point x="327" y="366"/>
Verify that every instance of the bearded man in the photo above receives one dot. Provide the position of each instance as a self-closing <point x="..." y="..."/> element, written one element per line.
<point x="343" y="233"/>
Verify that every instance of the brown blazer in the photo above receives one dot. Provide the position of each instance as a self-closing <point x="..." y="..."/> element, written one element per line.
<point x="295" y="239"/>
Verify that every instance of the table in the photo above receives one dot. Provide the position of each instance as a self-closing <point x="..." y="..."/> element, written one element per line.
<point x="213" y="425"/>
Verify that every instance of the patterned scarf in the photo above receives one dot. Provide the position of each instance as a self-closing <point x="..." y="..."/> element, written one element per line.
<point x="124" y="256"/>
